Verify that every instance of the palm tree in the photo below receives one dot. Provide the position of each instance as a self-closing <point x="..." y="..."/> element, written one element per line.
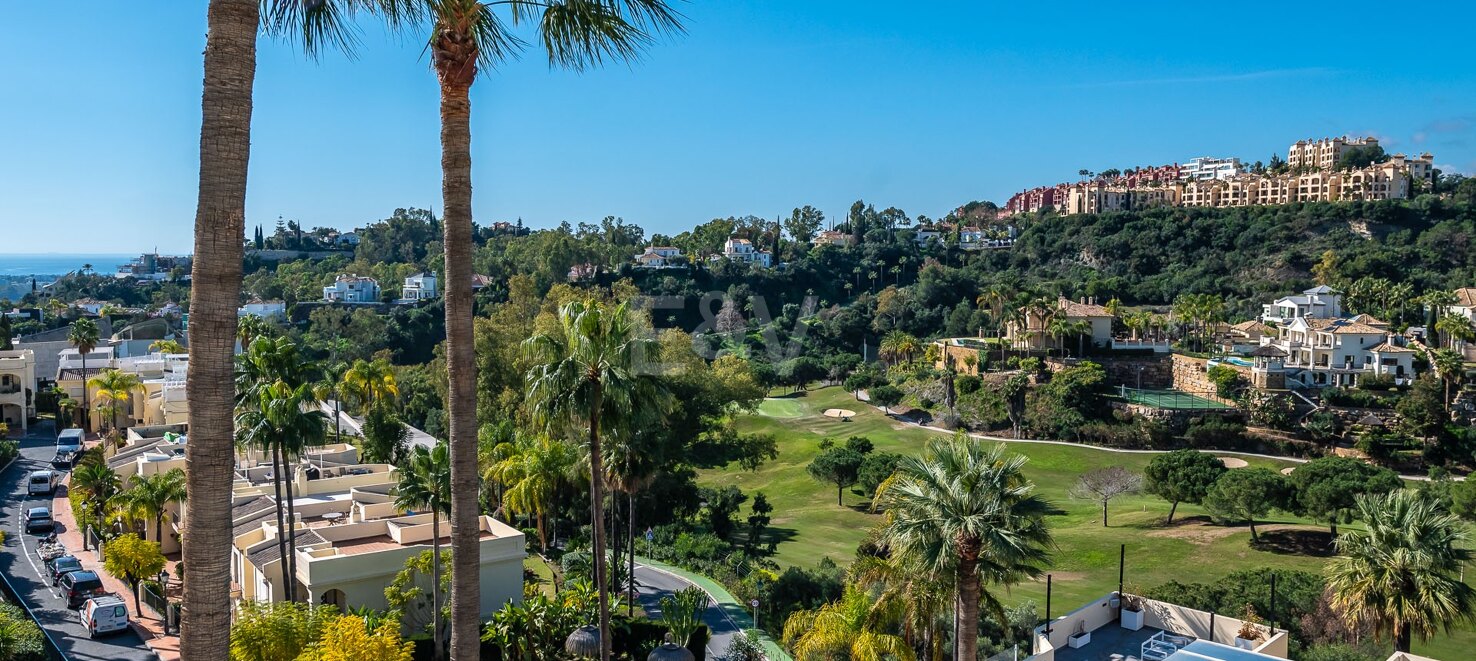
<point x="586" y="376"/>
<point x="465" y="37"/>
<point x="1403" y="574"/>
<point x="152" y="495"/>
<point x="1082" y="329"/>
<point x="282" y="423"/>
<point x="847" y="628"/>
<point x="167" y="347"/>
<point x="1454" y="327"/>
<point x="370" y="383"/>
<point x="98" y="485"/>
<point x="425" y="484"/>
<point x="898" y="347"/>
<point x="1450" y="367"/>
<point x="532" y="471"/>
<point x="912" y="595"/>
<point x="251" y="327"/>
<point x="83" y="336"/>
<point x="966" y="513"/>
<point x="220" y="219"/>
<point x="113" y="386"/>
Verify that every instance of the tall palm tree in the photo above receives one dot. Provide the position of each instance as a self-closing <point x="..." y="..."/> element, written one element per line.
<point x="465" y="37"/>
<point x="370" y="383"/>
<point x="225" y="145"/>
<point x="152" y="495"/>
<point x="425" y="484"/>
<point x="98" y="485"/>
<point x="967" y="514"/>
<point x="83" y="337"/>
<point x="1454" y="327"/>
<point x="283" y="422"/>
<point x="1403" y="574"/>
<point x="113" y="386"/>
<point x="846" y="628"/>
<point x="587" y="376"/>
<point x="1450" y="367"/>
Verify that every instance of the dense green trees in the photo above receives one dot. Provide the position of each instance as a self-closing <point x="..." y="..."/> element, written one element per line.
<point x="1327" y="489"/>
<point x="1182" y="476"/>
<point x="1247" y="494"/>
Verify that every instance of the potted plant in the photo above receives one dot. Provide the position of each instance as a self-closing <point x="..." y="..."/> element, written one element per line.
<point x="1131" y="616"/>
<point x="1081" y="637"/>
<point x="1250" y="630"/>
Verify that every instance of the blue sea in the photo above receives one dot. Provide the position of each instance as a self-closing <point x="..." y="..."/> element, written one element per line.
<point x="54" y="264"/>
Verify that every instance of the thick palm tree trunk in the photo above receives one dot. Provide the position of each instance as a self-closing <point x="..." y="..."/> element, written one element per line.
<point x="220" y="222"/>
<point x="966" y="611"/>
<point x="456" y="75"/>
<point x="597" y="518"/>
<point x="437" y="634"/>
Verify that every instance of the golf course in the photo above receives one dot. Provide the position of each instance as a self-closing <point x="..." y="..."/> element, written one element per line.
<point x="808" y="524"/>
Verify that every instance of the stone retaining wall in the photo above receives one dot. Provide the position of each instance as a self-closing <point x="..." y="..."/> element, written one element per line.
<point x="1190" y="374"/>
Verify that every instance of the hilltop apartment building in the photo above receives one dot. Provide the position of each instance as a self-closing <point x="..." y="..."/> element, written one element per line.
<point x="1223" y="182"/>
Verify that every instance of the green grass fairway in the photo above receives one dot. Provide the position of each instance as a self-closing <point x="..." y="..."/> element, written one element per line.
<point x="810" y="525"/>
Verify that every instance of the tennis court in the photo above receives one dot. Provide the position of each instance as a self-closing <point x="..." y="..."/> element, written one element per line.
<point x="1171" y="399"/>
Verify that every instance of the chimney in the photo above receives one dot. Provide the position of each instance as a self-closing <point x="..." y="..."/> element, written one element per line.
<point x="1082" y="300"/>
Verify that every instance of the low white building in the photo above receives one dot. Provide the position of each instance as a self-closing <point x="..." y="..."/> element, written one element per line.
<point x="743" y="250"/>
<point x="1320" y="302"/>
<point x="264" y="309"/>
<point x="658" y="257"/>
<point x="419" y="287"/>
<point x="352" y="288"/>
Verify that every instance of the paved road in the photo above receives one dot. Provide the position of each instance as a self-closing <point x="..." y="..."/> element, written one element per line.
<point x="19" y="563"/>
<point x="653" y="584"/>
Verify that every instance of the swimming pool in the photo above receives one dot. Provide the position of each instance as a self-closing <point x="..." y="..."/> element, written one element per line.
<point x="1203" y="650"/>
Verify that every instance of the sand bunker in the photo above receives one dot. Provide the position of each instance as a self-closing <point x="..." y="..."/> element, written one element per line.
<point x="843" y="414"/>
<point x="1232" y="462"/>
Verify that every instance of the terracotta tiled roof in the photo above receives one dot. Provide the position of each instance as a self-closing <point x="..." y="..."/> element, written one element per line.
<point x="1466" y="297"/>
<point x="1390" y="348"/>
<point x="1268" y="351"/>
<point x="1368" y="319"/>
<point x="1350" y="327"/>
<point x="1254" y="326"/>
<point x="1072" y="309"/>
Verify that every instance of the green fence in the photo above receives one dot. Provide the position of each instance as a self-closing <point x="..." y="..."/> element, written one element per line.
<point x="1171" y="399"/>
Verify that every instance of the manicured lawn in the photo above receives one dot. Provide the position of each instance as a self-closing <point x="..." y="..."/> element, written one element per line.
<point x="809" y="525"/>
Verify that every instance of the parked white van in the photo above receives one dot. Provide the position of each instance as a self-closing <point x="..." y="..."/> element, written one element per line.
<point x="105" y="614"/>
<point x="42" y="483"/>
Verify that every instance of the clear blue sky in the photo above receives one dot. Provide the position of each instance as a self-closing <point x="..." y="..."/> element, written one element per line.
<point x="762" y="106"/>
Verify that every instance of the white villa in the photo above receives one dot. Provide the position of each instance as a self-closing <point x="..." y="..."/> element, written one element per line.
<point x="1320" y="302"/>
<point x="658" y="257"/>
<point x="257" y="307"/>
<point x="1336" y="352"/>
<point x="742" y="250"/>
<point x="419" y="287"/>
<point x="352" y="288"/>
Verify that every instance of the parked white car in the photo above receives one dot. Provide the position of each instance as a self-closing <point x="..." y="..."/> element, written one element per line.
<point x="105" y="614"/>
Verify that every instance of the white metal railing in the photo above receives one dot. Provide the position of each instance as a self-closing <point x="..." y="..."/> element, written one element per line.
<point x="1162" y="645"/>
